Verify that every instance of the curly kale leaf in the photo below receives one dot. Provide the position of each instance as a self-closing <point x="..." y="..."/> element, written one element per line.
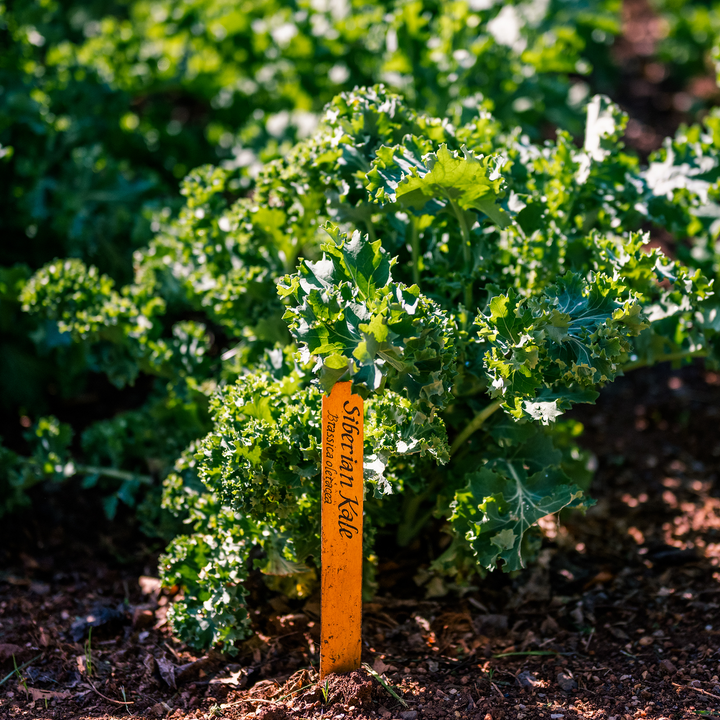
<point x="263" y="454"/>
<point x="498" y="510"/>
<point x="548" y="352"/>
<point x="506" y="497"/>
<point x="211" y="562"/>
<point x="347" y="311"/>
<point x="680" y="303"/>
<point x="211" y="569"/>
<point x="437" y="181"/>
<point x="125" y="338"/>
<point x="50" y="459"/>
<point x="395" y="429"/>
<point x="605" y="126"/>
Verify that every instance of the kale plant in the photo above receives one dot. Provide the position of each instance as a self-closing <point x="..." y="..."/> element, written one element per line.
<point x="472" y="284"/>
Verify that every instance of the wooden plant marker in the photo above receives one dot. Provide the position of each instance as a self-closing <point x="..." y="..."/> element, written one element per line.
<point x="341" y="531"/>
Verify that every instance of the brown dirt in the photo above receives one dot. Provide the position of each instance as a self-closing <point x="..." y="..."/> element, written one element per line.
<point x="617" y="619"/>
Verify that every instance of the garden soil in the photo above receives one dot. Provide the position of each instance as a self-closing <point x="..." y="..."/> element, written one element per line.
<point x="619" y="617"/>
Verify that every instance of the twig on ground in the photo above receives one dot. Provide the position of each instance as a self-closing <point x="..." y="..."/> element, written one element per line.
<point x="699" y="690"/>
<point x="174" y="652"/>
<point x="105" y="697"/>
<point x="262" y="700"/>
<point x="478" y="605"/>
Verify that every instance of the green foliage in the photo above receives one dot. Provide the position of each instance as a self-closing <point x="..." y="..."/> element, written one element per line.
<point x="264" y="456"/>
<point x="438" y="181"/>
<point x="549" y="351"/>
<point x="123" y="339"/>
<point x="106" y="106"/>
<point x="476" y="282"/>
<point x="507" y="496"/>
<point x="450" y="285"/>
<point x="210" y="564"/>
<point x="350" y="314"/>
<point x="688" y="39"/>
<point x="49" y="459"/>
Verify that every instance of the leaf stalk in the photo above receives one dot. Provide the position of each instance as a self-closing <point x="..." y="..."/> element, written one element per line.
<point x="415" y="249"/>
<point x="467" y="255"/>
<point x="113" y="473"/>
<point x="475" y="424"/>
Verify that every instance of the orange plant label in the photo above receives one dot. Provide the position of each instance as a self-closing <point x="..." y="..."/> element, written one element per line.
<point x="342" y="530"/>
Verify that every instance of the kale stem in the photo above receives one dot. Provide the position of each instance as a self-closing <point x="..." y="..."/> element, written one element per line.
<point x="410" y="526"/>
<point x="475" y="424"/>
<point x="415" y="247"/>
<point x="91" y="470"/>
<point x="371" y="230"/>
<point x="670" y="357"/>
<point x="467" y="255"/>
<point x="113" y="473"/>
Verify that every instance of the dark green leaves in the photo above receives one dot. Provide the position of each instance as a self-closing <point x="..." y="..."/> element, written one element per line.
<point x="497" y="508"/>
<point x="394" y="429"/>
<point x="416" y="298"/>
<point x="366" y="263"/>
<point x="124" y="337"/>
<point x="264" y="452"/>
<point x="523" y="479"/>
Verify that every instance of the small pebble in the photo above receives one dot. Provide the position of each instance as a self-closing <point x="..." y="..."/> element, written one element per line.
<point x="527" y="679"/>
<point x="566" y="681"/>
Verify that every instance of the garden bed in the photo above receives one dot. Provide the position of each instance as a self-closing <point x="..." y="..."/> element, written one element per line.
<point x="617" y="618"/>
